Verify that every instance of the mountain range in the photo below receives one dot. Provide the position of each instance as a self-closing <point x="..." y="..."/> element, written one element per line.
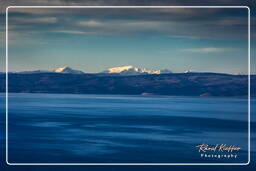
<point x="128" y="80"/>
<point x="62" y="70"/>
<point x="123" y="70"/>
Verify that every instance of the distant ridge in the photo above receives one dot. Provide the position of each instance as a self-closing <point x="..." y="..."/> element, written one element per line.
<point x="117" y="71"/>
<point x="174" y="84"/>
<point x="63" y="70"/>
<point x="122" y="70"/>
<point x="34" y="72"/>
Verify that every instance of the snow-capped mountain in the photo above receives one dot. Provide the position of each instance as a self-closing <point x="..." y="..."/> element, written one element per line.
<point x="123" y="70"/>
<point x="131" y="70"/>
<point x="68" y="70"/>
<point x="63" y="70"/>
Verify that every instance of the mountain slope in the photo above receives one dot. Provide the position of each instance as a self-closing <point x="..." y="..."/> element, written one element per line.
<point x="34" y="72"/>
<point x="189" y="84"/>
<point x="68" y="70"/>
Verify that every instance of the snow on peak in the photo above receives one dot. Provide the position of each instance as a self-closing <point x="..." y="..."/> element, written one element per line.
<point x="60" y="69"/>
<point x="130" y="70"/>
<point x="188" y="71"/>
<point x="67" y="70"/>
<point x="121" y="69"/>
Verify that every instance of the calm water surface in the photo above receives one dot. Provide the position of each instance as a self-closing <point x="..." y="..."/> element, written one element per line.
<point x="120" y="128"/>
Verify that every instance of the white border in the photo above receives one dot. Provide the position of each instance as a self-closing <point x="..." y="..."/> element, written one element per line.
<point x="249" y="84"/>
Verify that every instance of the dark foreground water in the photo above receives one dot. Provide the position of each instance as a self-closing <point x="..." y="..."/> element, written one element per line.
<point x="123" y="129"/>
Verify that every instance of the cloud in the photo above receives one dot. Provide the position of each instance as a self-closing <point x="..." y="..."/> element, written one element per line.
<point x="173" y="23"/>
<point x="125" y="26"/>
<point x="186" y="36"/>
<point x="207" y="50"/>
<point x="235" y="21"/>
<point x="91" y="23"/>
<point x="185" y="28"/>
<point x="74" y="32"/>
<point x="6" y="3"/>
<point x="32" y="20"/>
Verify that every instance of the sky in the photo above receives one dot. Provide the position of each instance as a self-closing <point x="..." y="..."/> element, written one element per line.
<point x="92" y="40"/>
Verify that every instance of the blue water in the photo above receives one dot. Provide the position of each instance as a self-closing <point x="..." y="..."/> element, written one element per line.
<point x="123" y="129"/>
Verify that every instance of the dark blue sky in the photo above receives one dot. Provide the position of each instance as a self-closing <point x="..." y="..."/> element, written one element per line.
<point x="92" y="40"/>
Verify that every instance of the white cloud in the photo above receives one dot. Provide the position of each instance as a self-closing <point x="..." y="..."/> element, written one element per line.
<point x="91" y="23"/>
<point x="206" y="50"/>
<point x="74" y="32"/>
<point x="185" y="36"/>
<point x="110" y="26"/>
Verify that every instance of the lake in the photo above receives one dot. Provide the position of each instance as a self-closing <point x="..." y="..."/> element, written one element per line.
<point x="69" y="128"/>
